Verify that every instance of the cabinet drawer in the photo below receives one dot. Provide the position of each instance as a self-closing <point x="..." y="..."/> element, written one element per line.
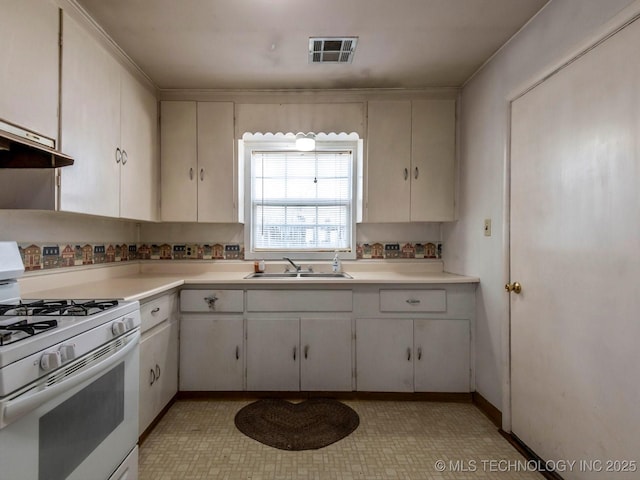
<point x="211" y="301"/>
<point x="155" y="312"/>
<point x="299" y="301"/>
<point x="413" y="300"/>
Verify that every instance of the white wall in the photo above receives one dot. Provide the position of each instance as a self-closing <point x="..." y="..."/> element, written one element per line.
<point x="39" y="227"/>
<point x="561" y="29"/>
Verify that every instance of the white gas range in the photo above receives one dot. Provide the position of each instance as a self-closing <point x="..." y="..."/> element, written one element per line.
<point x="68" y="384"/>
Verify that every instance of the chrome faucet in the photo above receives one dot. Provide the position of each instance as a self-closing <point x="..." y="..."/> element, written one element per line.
<point x="297" y="267"/>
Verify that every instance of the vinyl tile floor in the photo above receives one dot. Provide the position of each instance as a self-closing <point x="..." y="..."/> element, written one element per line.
<point x="415" y="440"/>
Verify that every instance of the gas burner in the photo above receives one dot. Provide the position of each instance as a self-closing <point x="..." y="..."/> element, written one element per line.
<point x="23" y="329"/>
<point x="57" y="307"/>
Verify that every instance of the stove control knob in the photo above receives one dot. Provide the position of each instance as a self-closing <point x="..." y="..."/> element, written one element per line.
<point x="67" y="352"/>
<point x="130" y="323"/>
<point x="118" y="327"/>
<point x="50" y="361"/>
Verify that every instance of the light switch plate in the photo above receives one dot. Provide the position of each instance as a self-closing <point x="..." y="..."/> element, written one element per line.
<point x="487" y="227"/>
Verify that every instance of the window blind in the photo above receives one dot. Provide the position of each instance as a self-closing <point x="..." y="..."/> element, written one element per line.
<point x="301" y="200"/>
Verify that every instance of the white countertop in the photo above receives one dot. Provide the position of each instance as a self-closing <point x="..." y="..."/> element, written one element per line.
<point x="142" y="285"/>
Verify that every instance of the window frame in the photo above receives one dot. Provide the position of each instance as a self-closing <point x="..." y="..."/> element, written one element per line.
<point x="284" y="144"/>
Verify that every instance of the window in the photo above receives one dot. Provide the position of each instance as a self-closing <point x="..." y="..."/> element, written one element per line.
<point x="300" y="204"/>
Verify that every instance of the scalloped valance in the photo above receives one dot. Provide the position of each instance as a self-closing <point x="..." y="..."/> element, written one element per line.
<point x="300" y="117"/>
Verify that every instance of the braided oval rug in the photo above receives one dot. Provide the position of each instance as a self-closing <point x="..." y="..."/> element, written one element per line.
<point x="308" y="425"/>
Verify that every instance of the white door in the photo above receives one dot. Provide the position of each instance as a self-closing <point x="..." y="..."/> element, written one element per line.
<point x="575" y="238"/>
<point x="211" y="353"/>
<point x="273" y="354"/>
<point x="325" y="345"/>
<point x="384" y="355"/>
<point x="441" y="355"/>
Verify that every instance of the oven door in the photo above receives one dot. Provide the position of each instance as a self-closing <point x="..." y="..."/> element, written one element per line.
<point x="81" y="427"/>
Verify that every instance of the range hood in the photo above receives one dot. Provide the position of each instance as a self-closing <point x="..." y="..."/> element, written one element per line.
<point x="20" y="148"/>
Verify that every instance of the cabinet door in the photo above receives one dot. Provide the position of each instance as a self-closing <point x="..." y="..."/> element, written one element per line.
<point x="432" y="160"/>
<point x="90" y="119"/>
<point x="273" y="354"/>
<point x="139" y="142"/>
<point x="325" y="344"/>
<point x="168" y="365"/>
<point x="442" y="355"/>
<point x="216" y="163"/>
<point x="388" y="161"/>
<point x="29" y="73"/>
<point x="211" y="353"/>
<point x="178" y="162"/>
<point x="147" y="398"/>
<point x="384" y="355"/>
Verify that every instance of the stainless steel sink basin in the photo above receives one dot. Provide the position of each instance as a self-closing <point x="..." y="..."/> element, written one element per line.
<point x="299" y="275"/>
<point x="325" y="275"/>
<point x="272" y="275"/>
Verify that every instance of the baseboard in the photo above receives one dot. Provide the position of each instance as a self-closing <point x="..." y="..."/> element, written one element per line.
<point x="529" y="455"/>
<point x="486" y="407"/>
<point x="389" y="396"/>
<point x="143" y="436"/>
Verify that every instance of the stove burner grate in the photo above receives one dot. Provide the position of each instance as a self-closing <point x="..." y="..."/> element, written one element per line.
<point x="57" y="307"/>
<point x="7" y="332"/>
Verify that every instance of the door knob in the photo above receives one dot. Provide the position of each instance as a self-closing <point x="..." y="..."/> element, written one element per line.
<point x="514" y="287"/>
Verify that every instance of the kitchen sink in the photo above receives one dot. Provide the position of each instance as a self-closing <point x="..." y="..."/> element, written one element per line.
<point x="299" y="275"/>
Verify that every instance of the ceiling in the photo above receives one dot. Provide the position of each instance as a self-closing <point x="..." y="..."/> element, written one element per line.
<point x="263" y="44"/>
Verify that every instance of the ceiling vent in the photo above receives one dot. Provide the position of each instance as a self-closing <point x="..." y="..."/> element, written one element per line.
<point x="332" y="49"/>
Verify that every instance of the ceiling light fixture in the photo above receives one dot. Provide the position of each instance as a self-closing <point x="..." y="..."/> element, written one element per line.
<point x="305" y="142"/>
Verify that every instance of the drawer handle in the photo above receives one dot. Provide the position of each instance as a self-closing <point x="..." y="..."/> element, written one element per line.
<point x="155" y="310"/>
<point x="211" y="301"/>
<point x="152" y="377"/>
<point x="237" y="352"/>
<point x="408" y="354"/>
<point x="419" y="353"/>
<point x="413" y="301"/>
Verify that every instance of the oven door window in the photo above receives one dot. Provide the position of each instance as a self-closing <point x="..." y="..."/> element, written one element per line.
<point x="71" y="432"/>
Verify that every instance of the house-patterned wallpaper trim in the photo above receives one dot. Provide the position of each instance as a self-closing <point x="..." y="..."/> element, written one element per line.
<point x="52" y="255"/>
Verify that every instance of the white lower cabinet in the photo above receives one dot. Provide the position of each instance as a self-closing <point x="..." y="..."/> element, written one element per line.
<point x="211" y="353"/>
<point x="158" y="371"/>
<point x="405" y="355"/>
<point x="384" y="357"/>
<point x="291" y="354"/>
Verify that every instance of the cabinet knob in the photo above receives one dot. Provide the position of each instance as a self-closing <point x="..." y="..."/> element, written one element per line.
<point x="419" y="353"/>
<point x="158" y="371"/>
<point x="408" y="354"/>
<point x="118" y="155"/>
<point x="237" y="352"/>
<point x="406" y="174"/>
<point x="514" y="287"/>
<point x="125" y="157"/>
<point x="306" y="351"/>
<point x="415" y="175"/>
<point x="152" y="377"/>
<point x="295" y="351"/>
<point x="211" y="301"/>
<point x="191" y="173"/>
<point x="202" y="174"/>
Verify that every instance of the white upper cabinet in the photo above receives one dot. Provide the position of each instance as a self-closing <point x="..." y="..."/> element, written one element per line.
<point x="139" y="168"/>
<point x="199" y="168"/>
<point x="109" y="125"/>
<point x="410" y="161"/>
<point x="29" y="73"/>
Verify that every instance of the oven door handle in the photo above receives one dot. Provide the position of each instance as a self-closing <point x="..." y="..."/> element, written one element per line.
<point x="14" y="409"/>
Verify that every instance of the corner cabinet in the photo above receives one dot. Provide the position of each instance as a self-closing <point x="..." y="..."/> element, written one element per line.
<point x="410" y="171"/>
<point x="109" y="125"/>
<point x="198" y="163"/>
<point x="158" y="358"/>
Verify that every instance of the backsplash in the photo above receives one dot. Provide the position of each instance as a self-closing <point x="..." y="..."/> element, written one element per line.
<point x="50" y="255"/>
